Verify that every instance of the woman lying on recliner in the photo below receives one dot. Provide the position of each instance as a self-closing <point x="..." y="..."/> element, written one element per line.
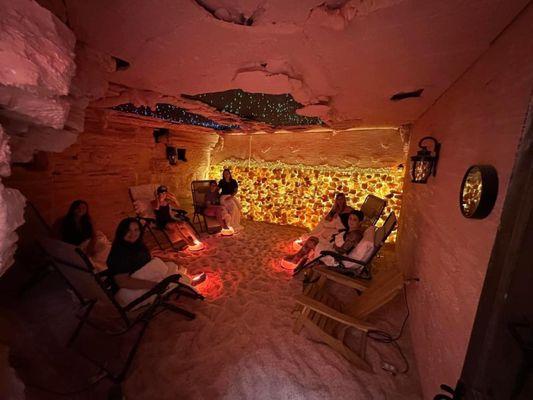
<point x="131" y="266"/>
<point x="163" y="208"/>
<point x="342" y="242"/>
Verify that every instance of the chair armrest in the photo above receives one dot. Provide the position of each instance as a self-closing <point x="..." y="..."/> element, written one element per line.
<point x="158" y="290"/>
<point x="340" y="257"/>
<point x="354" y="283"/>
<point x="332" y="313"/>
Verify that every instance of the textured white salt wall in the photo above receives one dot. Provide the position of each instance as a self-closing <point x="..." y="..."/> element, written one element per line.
<point x="11" y="209"/>
<point x="36" y="69"/>
<point x="479" y="120"/>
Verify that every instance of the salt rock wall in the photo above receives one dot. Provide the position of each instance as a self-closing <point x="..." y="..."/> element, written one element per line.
<point x="11" y="208"/>
<point x="35" y="75"/>
<point x="361" y="148"/>
<point x="301" y="195"/>
<point x="479" y="120"/>
<point x="111" y="155"/>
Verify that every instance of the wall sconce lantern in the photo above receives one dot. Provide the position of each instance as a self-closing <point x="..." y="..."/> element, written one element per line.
<point x="174" y="155"/>
<point x="424" y="163"/>
<point x="171" y="155"/>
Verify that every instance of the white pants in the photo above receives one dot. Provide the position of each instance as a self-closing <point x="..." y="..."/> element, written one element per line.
<point x="233" y="206"/>
<point x="156" y="270"/>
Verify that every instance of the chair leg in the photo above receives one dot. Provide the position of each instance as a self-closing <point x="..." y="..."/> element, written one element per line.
<point x="120" y="377"/>
<point x="205" y="223"/>
<point x="299" y="323"/>
<point x="178" y="310"/>
<point x="83" y="319"/>
<point x="155" y="237"/>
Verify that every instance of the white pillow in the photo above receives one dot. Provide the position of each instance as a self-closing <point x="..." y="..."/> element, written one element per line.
<point x="144" y="208"/>
<point x="363" y="250"/>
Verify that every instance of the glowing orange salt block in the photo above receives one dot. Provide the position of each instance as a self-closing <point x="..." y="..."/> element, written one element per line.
<point x="297" y="244"/>
<point x="196" y="246"/>
<point x="227" y="232"/>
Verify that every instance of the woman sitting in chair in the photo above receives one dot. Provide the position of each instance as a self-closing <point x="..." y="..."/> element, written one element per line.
<point x="343" y="242"/>
<point x="77" y="228"/>
<point x="133" y="269"/>
<point x="334" y="221"/>
<point x="228" y="189"/>
<point x="164" y="205"/>
<point x="213" y="208"/>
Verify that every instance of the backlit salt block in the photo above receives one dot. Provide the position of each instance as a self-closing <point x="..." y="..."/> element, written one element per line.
<point x="196" y="246"/>
<point x="227" y="232"/>
<point x="287" y="264"/>
<point x="297" y="244"/>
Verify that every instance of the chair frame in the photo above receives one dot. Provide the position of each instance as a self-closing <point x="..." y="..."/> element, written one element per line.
<point x="199" y="208"/>
<point x="380" y="210"/>
<point x="365" y="272"/>
<point x="329" y="319"/>
<point x="150" y="225"/>
<point x="144" y="313"/>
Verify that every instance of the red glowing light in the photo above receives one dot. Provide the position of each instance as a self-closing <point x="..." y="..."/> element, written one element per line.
<point x="212" y="288"/>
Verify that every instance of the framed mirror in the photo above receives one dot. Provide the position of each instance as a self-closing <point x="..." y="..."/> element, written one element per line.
<point x="479" y="191"/>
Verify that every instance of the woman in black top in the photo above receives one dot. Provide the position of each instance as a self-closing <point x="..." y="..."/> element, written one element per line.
<point x="229" y="187"/>
<point x="132" y="267"/>
<point x="128" y="254"/>
<point x="177" y="229"/>
<point x="76" y="227"/>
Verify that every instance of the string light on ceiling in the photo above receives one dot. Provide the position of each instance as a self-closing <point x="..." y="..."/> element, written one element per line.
<point x="173" y="114"/>
<point x="273" y="109"/>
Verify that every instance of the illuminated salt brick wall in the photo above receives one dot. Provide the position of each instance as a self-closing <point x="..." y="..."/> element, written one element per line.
<point x="301" y="195"/>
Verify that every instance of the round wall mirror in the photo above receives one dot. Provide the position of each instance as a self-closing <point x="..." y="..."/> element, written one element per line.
<point x="478" y="191"/>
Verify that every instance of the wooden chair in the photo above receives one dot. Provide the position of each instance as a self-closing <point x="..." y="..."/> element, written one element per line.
<point x="91" y="287"/>
<point x="329" y="319"/>
<point x="373" y="207"/>
<point x="199" y="190"/>
<point x="364" y="267"/>
<point x="141" y="197"/>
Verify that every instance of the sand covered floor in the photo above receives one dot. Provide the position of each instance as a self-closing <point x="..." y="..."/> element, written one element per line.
<point x="241" y="344"/>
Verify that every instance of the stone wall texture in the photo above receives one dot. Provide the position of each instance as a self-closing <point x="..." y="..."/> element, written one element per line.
<point x="370" y="148"/>
<point x="108" y="158"/>
<point x="479" y="120"/>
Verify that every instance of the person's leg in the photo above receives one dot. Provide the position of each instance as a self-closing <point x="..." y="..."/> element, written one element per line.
<point x="309" y="246"/>
<point x="188" y="232"/>
<point x="222" y="215"/>
<point x="236" y="217"/>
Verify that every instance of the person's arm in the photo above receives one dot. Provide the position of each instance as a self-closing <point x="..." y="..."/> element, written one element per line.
<point x="331" y="214"/>
<point x="235" y="187"/>
<point x="352" y="239"/>
<point x="127" y="282"/>
<point x="171" y="198"/>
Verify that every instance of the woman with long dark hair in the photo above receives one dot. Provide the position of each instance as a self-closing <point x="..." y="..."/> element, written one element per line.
<point x="132" y="267"/>
<point x="228" y="191"/>
<point x="77" y="228"/>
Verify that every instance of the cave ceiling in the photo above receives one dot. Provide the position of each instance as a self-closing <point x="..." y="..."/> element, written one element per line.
<point x="340" y="61"/>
